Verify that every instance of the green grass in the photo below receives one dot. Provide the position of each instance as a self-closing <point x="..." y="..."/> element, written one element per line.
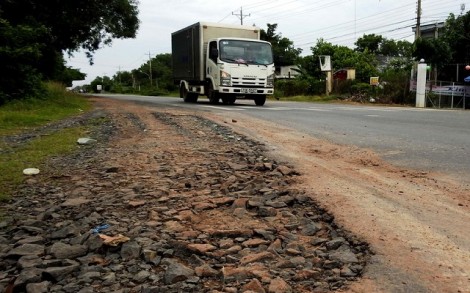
<point x="23" y="116"/>
<point x="32" y="155"/>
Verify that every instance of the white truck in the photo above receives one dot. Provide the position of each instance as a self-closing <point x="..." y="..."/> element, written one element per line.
<point x="223" y="62"/>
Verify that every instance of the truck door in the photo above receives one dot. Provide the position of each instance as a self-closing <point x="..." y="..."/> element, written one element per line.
<point x="212" y="71"/>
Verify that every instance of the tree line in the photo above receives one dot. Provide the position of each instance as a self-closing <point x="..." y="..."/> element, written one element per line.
<point x="151" y="78"/>
<point x="35" y="36"/>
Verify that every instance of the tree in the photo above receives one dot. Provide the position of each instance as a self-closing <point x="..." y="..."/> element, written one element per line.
<point x="124" y="78"/>
<point x="370" y="43"/>
<point x="47" y="29"/>
<point x="162" y="72"/>
<point x="105" y="82"/>
<point x="457" y="35"/>
<point x="434" y="51"/>
<point x="20" y="49"/>
<point x="379" y="45"/>
<point x="70" y="74"/>
<point x="283" y="49"/>
<point x="342" y="57"/>
<point x="311" y="63"/>
<point x="73" y="25"/>
<point x="404" y="49"/>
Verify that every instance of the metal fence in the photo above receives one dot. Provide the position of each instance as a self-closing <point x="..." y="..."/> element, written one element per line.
<point x="445" y="94"/>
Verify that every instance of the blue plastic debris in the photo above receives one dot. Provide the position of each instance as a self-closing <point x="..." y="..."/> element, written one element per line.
<point x="100" y="228"/>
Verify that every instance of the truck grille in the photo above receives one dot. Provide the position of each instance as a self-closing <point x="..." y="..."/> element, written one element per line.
<point x="248" y="82"/>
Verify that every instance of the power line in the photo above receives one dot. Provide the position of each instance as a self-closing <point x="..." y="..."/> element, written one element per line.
<point x="347" y="34"/>
<point x="225" y="17"/>
<point x="382" y="19"/>
<point x="258" y="4"/>
<point x="367" y="20"/>
<point x="287" y="9"/>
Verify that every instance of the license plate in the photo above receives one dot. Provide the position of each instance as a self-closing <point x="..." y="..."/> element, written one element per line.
<point x="248" y="91"/>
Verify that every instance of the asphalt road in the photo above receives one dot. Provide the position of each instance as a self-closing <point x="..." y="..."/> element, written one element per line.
<point x="423" y="139"/>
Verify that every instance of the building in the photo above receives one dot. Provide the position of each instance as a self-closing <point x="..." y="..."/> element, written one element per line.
<point x="345" y="74"/>
<point x="430" y="31"/>
<point x="290" y="71"/>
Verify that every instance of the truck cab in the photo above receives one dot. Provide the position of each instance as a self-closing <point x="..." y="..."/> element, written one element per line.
<point x="239" y="68"/>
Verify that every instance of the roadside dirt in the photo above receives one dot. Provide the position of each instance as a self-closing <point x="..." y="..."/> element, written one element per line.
<point x="417" y="223"/>
<point x="167" y="201"/>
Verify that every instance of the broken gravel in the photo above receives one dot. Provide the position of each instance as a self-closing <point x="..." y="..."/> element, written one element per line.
<point x="171" y="202"/>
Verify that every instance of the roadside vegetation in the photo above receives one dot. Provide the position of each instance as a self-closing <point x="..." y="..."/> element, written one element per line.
<point x="313" y="98"/>
<point x="54" y="104"/>
<point x="35" y="35"/>
<point x="21" y="117"/>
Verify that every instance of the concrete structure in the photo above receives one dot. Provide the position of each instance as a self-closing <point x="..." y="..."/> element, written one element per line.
<point x="289" y="71"/>
<point x="430" y="31"/>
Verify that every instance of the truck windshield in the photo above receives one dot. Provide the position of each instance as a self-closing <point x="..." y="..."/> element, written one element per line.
<point x="245" y="52"/>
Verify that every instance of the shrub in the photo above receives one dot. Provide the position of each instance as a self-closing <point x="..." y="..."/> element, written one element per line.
<point x="296" y="87"/>
<point x="395" y="87"/>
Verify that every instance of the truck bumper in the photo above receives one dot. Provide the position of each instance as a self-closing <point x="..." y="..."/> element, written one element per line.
<point x="246" y="91"/>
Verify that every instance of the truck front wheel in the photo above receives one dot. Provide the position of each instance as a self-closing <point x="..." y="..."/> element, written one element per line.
<point x="212" y="95"/>
<point x="228" y="99"/>
<point x="187" y="96"/>
<point x="260" y="100"/>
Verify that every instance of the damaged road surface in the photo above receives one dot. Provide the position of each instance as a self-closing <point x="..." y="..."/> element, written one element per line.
<point x="167" y="201"/>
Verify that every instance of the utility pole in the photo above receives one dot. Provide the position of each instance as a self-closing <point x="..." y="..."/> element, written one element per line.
<point x="119" y="72"/>
<point x="241" y="15"/>
<point x="418" y="21"/>
<point x="150" y="69"/>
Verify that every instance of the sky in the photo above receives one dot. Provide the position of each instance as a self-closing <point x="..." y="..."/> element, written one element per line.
<point x="339" y="22"/>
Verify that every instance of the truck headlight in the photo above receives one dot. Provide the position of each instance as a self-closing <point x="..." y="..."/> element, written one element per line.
<point x="225" y="79"/>
<point x="270" y="81"/>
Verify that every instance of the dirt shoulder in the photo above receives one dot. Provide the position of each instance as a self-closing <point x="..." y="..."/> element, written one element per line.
<point x="168" y="201"/>
<point x="416" y="222"/>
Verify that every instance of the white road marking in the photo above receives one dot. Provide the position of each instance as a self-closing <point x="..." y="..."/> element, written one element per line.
<point x="252" y="107"/>
<point x="316" y="109"/>
<point x="366" y="109"/>
<point x="373" y="109"/>
<point x="224" y="108"/>
<point x="282" y="109"/>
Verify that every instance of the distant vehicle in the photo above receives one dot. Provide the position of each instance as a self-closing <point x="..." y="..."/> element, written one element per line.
<point x="223" y="62"/>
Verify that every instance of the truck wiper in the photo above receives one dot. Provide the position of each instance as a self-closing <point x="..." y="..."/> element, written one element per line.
<point x="257" y="63"/>
<point x="235" y="61"/>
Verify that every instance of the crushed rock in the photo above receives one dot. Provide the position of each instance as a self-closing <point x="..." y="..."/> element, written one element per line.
<point x="201" y="209"/>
